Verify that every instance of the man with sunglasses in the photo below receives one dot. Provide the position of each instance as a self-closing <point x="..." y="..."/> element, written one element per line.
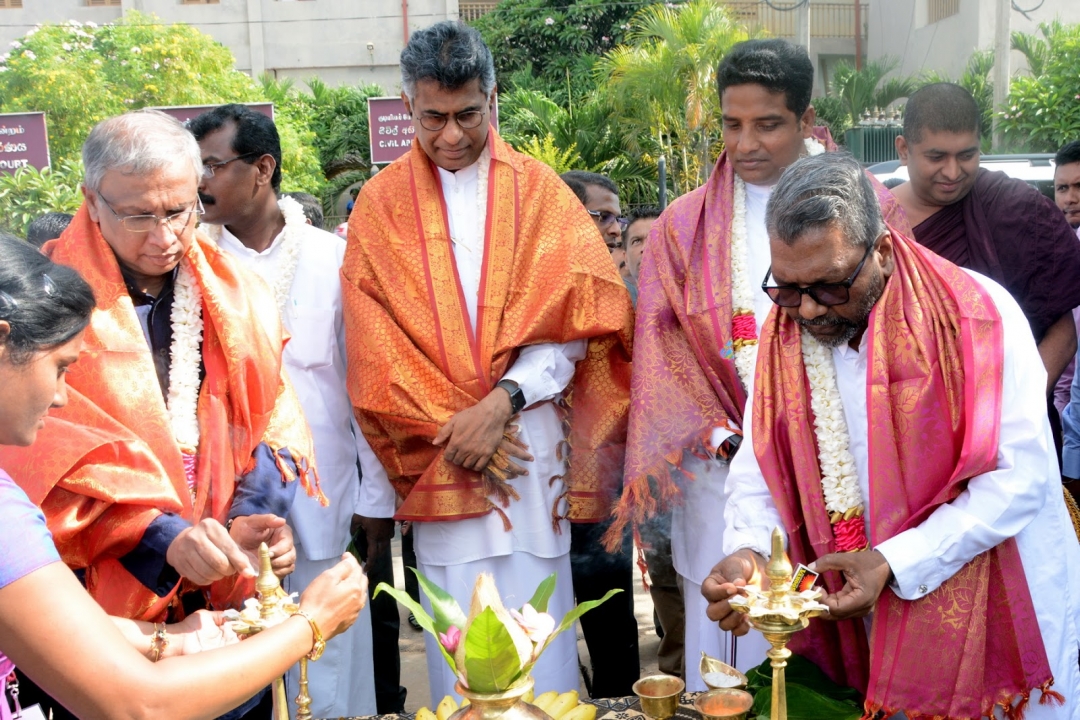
<point x="698" y="316"/>
<point x="182" y="441"/>
<point x="488" y="340"/>
<point x="896" y="430"/>
<point x="269" y="235"/>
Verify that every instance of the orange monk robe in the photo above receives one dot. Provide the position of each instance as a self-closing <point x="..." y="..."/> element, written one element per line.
<point x="106" y="465"/>
<point x="415" y="359"/>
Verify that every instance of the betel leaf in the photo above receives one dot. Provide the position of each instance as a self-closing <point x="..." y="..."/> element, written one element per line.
<point x="443" y="605"/>
<point x="419" y="613"/>
<point x="491" y="659"/>
<point x="802" y="672"/>
<point x="543" y="593"/>
<point x="806" y="704"/>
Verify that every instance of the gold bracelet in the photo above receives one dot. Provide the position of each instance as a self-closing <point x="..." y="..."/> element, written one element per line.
<point x="319" y="645"/>
<point x="158" y="642"/>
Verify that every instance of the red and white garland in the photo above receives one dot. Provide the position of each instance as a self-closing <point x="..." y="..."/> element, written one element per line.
<point x="839" y="481"/>
<point x="743" y="325"/>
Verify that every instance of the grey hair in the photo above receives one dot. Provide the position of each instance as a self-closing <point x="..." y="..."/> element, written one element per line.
<point x="451" y="53"/>
<point x="826" y="189"/>
<point x="137" y="143"/>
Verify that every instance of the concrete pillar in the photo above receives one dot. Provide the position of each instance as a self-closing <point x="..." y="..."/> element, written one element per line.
<point x="255" y="38"/>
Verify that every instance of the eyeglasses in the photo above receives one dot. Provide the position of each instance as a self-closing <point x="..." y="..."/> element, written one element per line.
<point x="466" y="120"/>
<point x="824" y="294"/>
<point x="604" y="218"/>
<point x="177" y="222"/>
<point x="210" y="167"/>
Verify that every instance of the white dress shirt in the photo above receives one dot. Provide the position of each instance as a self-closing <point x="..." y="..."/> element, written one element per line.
<point x="697" y="527"/>
<point x="315" y="361"/>
<point x="1022" y="498"/>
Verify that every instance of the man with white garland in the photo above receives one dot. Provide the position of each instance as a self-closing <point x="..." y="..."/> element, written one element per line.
<point x="269" y="235"/>
<point x="494" y="336"/>
<point x="898" y="433"/>
<point x="698" y="316"/>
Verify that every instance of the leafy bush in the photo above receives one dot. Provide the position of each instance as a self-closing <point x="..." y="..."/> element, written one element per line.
<point x="28" y="193"/>
<point x="1043" y="110"/>
<point x="82" y="73"/>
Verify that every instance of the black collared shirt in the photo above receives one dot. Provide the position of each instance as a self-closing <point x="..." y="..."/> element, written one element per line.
<point x="155" y="316"/>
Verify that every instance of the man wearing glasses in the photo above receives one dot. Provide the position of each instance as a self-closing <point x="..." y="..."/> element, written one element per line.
<point x="600" y="196"/>
<point x="488" y="346"/>
<point x="897" y="430"/>
<point x="178" y="451"/>
<point x="698" y="315"/>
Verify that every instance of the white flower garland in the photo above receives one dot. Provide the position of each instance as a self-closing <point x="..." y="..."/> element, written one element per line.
<point x="289" y="259"/>
<point x="839" y="482"/>
<point x="742" y="293"/>
<point x="185" y="359"/>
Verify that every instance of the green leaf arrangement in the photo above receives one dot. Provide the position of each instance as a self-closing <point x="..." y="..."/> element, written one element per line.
<point x="492" y="649"/>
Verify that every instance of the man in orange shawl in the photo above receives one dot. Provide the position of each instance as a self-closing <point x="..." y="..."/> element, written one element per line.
<point x="489" y="344"/>
<point x="698" y="316"/>
<point x="900" y="440"/>
<point x="174" y="457"/>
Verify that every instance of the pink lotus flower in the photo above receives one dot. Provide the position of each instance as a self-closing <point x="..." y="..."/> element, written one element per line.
<point x="450" y="639"/>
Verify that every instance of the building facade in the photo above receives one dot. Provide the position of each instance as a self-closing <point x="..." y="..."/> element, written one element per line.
<point x="341" y="41"/>
<point x="942" y="34"/>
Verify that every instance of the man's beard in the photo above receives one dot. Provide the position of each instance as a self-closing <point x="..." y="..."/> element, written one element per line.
<point x="851" y="327"/>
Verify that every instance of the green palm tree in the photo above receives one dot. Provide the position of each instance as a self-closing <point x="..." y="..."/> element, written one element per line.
<point x="860" y="90"/>
<point x="663" y="80"/>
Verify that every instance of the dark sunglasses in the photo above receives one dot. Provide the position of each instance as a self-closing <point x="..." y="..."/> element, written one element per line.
<point x="824" y="294"/>
<point x="605" y="218"/>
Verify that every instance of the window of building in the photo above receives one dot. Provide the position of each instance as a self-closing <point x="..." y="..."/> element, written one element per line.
<point x="10" y="3"/>
<point x="103" y="3"/>
<point x="469" y="11"/>
<point x="940" y="9"/>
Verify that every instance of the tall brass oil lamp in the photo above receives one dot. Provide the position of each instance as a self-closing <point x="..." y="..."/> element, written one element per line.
<point x="272" y="606"/>
<point x="778" y="613"/>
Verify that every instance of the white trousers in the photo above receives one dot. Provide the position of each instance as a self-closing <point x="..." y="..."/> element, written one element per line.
<point x="516" y="576"/>
<point x="342" y="682"/>
<point x="704" y="635"/>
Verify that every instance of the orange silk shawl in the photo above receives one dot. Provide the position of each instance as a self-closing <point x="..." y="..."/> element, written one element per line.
<point x="106" y="465"/>
<point x="934" y="385"/>
<point x="415" y="360"/>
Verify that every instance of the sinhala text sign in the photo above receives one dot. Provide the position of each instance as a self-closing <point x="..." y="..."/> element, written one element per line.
<point x="391" y="128"/>
<point x="24" y="141"/>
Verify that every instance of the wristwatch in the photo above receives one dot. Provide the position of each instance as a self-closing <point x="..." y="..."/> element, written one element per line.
<point x="517" y="397"/>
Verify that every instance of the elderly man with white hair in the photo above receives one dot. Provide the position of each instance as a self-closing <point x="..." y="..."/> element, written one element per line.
<point x="177" y="453"/>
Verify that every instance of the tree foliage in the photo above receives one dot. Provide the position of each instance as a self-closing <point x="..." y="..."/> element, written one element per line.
<point x="1043" y="109"/>
<point x="552" y="45"/>
<point x="869" y="87"/>
<point x="80" y="74"/>
<point x="29" y="192"/>
<point x="663" y="80"/>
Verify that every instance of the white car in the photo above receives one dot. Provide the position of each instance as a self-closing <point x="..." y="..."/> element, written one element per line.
<point x="1036" y="169"/>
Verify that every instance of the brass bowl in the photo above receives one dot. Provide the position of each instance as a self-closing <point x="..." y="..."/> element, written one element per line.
<point x="711" y="667"/>
<point x="724" y="704"/>
<point x="659" y="695"/>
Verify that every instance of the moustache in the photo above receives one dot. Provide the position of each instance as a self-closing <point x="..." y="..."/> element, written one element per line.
<point x="207" y="199"/>
<point x="825" y="321"/>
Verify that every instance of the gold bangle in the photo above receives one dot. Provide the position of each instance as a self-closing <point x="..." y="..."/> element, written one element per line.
<point x="158" y="642"/>
<point x="319" y="644"/>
